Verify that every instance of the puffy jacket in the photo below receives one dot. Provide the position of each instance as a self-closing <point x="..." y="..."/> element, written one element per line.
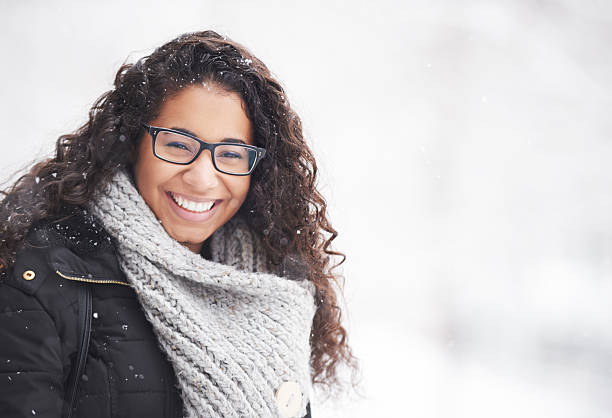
<point x="74" y="341"/>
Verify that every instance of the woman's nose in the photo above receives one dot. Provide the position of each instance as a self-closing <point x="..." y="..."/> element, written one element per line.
<point x="202" y="173"/>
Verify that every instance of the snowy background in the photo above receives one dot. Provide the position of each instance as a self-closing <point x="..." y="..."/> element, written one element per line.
<point x="464" y="150"/>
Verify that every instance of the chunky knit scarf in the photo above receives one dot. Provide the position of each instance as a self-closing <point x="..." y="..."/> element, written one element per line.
<point x="234" y="334"/>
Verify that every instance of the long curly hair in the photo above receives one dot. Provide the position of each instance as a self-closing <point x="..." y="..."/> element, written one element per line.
<point x="283" y="205"/>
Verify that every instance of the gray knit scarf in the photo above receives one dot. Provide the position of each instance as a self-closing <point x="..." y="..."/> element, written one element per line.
<point x="233" y="333"/>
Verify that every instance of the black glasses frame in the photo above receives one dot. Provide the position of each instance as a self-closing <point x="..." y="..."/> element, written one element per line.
<point x="154" y="130"/>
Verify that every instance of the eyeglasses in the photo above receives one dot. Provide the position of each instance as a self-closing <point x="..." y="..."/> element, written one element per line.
<point x="178" y="147"/>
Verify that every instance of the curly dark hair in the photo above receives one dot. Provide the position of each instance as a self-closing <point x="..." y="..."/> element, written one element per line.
<point x="283" y="204"/>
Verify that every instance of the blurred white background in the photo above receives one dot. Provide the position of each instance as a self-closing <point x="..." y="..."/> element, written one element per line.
<point x="464" y="149"/>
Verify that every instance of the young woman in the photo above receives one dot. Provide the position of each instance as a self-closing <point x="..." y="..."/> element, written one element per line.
<point x="172" y="259"/>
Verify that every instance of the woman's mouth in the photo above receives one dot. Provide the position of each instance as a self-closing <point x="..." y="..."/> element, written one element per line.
<point x="198" y="207"/>
<point x="191" y="210"/>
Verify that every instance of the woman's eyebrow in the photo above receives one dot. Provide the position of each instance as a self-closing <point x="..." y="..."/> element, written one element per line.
<point x="187" y="131"/>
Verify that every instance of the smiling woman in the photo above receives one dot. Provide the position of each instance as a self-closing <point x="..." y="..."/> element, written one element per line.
<point x="173" y="258"/>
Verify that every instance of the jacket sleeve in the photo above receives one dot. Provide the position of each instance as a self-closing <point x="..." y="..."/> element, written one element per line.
<point x="31" y="373"/>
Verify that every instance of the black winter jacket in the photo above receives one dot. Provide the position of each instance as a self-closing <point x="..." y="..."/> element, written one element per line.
<point x="74" y="341"/>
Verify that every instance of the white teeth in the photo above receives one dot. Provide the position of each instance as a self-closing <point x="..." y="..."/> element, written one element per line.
<point x="193" y="206"/>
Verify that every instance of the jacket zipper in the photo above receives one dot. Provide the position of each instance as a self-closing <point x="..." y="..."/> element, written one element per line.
<point x="83" y="279"/>
<point x="84" y="348"/>
<point x="84" y="306"/>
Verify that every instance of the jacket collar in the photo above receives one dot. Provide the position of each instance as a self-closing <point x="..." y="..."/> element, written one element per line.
<point x="79" y="248"/>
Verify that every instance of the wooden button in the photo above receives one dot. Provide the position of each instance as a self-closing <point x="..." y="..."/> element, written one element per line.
<point x="29" y="275"/>
<point x="289" y="399"/>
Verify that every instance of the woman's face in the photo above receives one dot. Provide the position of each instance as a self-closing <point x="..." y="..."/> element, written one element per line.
<point x="211" y="115"/>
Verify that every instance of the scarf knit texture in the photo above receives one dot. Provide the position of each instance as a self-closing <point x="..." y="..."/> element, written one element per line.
<point x="232" y="332"/>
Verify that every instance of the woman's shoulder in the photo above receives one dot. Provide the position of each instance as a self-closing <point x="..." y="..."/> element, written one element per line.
<point x="72" y="246"/>
<point x="31" y="284"/>
<point x="75" y="229"/>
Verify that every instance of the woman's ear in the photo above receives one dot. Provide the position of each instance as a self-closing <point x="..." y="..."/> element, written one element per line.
<point x="134" y="152"/>
<point x="132" y="159"/>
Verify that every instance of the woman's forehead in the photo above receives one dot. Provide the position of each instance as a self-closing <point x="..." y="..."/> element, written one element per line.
<point x="210" y="114"/>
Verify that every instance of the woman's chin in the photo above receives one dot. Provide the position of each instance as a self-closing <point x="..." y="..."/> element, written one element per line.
<point x="194" y="243"/>
<point x="193" y="246"/>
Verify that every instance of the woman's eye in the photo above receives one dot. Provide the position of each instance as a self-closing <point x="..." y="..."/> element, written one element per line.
<point x="230" y="155"/>
<point x="178" y="145"/>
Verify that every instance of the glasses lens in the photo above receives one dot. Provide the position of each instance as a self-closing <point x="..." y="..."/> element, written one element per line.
<point x="175" y="147"/>
<point x="235" y="159"/>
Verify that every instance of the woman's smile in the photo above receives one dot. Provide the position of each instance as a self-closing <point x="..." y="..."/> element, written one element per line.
<point x="192" y="209"/>
<point x="194" y="205"/>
